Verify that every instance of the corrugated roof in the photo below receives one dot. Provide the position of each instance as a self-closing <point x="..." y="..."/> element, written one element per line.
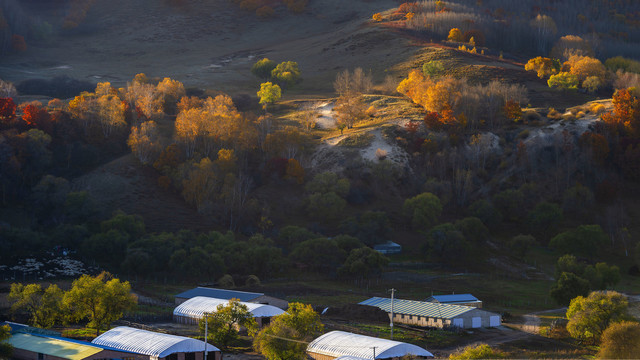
<point x="156" y="345"/>
<point x="453" y="298"/>
<point x="197" y="306"/>
<point x="53" y="347"/>
<point x="340" y="343"/>
<point x="219" y="294"/>
<point x="22" y="328"/>
<point x="420" y="308"/>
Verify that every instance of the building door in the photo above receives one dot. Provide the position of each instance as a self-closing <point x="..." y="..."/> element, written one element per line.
<point x="494" y="321"/>
<point x="458" y="323"/>
<point x="476" y="322"/>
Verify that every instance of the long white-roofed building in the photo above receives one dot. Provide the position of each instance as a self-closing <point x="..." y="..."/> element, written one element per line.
<point x="433" y="314"/>
<point x="157" y="346"/>
<point x="192" y="310"/>
<point x="349" y="346"/>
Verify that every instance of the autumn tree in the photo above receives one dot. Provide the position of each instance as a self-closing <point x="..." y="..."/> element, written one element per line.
<point x="7" y="110"/>
<point x="42" y="305"/>
<point x="223" y="323"/>
<point x="300" y="323"/>
<point x="584" y="66"/>
<point x="6" y="349"/>
<point x="545" y="27"/>
<point x="455" y="35"/>
<point x="356" y="82"/>
<point x="569" y="45"/>
<point x="170" y="92"/>
<point x="621" y="340"/>
<point x="295" y="171"/>
<point x="544" y="67"/>
<point x="626" y="113"/>
<point x="102" y="300"/>
<point x="590" y="316"/>
<point x="350" y="109"/>
<point x="144" y="141"/>
<point x="269" y="94"/>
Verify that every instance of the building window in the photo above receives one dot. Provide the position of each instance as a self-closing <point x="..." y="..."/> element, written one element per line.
<point x="40" y="356"/>
<point x="190" y="356"/>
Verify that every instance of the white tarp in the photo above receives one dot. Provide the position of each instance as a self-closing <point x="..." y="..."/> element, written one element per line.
<point x="197" y="306"/>
<point x="340" y="343"/>
<point x="156" y="345"/>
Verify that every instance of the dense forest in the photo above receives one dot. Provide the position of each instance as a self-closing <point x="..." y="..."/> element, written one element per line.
<point x="506" y="142"/>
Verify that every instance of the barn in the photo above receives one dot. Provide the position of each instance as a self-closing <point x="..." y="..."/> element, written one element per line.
<point x="431" y="314"/>
<point x="456" y="299"/>
<point x="349" y="346"/>
<point x="250" y="297"/>
<point x="156" y="346"/>
<point x="192" y="310"/>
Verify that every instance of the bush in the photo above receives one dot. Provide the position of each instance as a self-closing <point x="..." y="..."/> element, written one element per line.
<point x="381" y="154"/>
<point x="482" y="351"/>
<point x="554" y="114"/>
<point x="263" y="68"/>
<point x="226" y="281"/>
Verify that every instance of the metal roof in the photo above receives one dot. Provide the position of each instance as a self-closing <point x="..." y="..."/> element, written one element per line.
<point x="420" y="308"/>
<point x="156" y="345"/>
<point x="340" y="343"/>
<point x="453" y="298"/>
<point x="22" y="328"/>
<point x="53" y="347"/>
<point x="197" y="306"/>
<point x="219" y="294"/>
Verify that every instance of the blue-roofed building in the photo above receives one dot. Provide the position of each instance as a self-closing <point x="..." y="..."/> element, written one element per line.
<point x="224" y="294"/>
<point x="432" y="314"/>
<point x="456" y="299"/>
<point x="388" y="248"/>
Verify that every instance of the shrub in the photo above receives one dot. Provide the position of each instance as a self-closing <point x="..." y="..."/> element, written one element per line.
<point x="381" y="154"/>
<point x="377" y="17"/>
<point x="554" y="114"/>
<point x="596" y="108"/>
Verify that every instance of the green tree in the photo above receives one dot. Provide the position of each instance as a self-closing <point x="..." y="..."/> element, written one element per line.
<point x="286" y="73"/>
<point x="422" y="210"/>
<point x="584" y="240"/>
<point x="590" y="316"/>
<point x="43" y="306"/>
<point x="569" y="263"/>
<point x="327" y="207"/>
<point x="433" y="68"/>
<point x="320" y="254"/>
<point x="447" y="244"/>
<point x="6" y="350"/>
<point x="563" y="81"/>
<point x="269" y="94"/>
<point x="224" y="323"/>
<point x="511" y="204"/>
<point x="287" y="335"/>
<point x="519" y="245"/>
<point x="482" y="351"/>
<point x="101" y="299"/>
<point x="620" y="341"/>
<point x="544" y="218"/>
<point x="263" y="68"/>
<point x="363" y="262"/>
<point x="567" y="287"/>
<point x="473" y="230"/>
<point x="602" y="275"/>
<point x="328" y="182"/>
<point x="291" y="235"/>
<point x="486" y="212"/>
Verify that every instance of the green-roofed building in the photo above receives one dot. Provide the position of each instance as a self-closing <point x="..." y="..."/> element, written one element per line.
<point x="430" y="314"/>
<point x="45" y="347"/>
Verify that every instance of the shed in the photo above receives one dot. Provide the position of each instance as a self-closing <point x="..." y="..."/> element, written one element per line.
<point x="41" y="347"/>
<point x="456" y="299"/>
<point x="349" y="346"/>
<point x="430" y="314"/>
<point x="224" y="294"/>
<point x="192" y="310"/>
<point x="156" y="345"/>
<point x="388" y="248"/>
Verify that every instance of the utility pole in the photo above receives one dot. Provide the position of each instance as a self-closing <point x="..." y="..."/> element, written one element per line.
<point x="393" y="291"/>
<point x="206" y="327"/>
<point x="374" y="352"/>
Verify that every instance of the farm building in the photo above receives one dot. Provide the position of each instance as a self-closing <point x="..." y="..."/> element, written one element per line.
<point x="349" y="346"/>
<point x="250" y="297"/>
<point x="192" y="310"/>
<point x="41" y="347"/>
<point x="388" y="248"/>
<point x="433" y="314"/>
<point x="456" y="299"/>
<point x="156" y="346"/>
